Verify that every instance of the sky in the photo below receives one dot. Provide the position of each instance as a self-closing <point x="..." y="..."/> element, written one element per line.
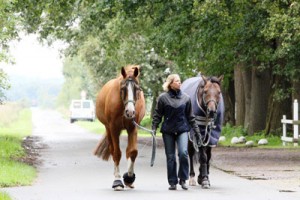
<point x="34" y="60"/>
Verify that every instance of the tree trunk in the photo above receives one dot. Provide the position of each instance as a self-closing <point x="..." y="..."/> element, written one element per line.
<point x="228" y="96"/>
<point x="277" y="108"/>
<point x="247" y="83"/>
<point x="155" y="95"/>
<point x="260" y="91"/>
<point x="239" y="96"/>
<point x="296" y="93"/>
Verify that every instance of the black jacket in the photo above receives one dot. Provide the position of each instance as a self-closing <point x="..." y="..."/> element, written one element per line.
<point x="175" y="107"/>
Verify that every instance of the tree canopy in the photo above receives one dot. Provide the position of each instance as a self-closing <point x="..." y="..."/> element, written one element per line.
<point x="253" y="41"/>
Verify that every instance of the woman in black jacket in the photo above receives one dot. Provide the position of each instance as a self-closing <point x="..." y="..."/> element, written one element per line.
<point x="175" y="108"/>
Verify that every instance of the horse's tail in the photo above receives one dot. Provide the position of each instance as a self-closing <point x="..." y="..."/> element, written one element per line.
<point x="102" y="149"/>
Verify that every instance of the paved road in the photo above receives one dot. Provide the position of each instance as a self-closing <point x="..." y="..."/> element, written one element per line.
<point x="70" y="171"/>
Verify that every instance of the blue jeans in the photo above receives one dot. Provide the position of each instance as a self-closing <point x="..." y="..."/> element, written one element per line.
<point x="170" y="141"/>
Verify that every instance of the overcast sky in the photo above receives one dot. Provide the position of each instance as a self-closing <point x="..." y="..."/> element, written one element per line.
<point x="34" y="60"/>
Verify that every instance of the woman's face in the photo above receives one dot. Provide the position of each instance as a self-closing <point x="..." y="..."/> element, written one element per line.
<point x="175" y="85"/>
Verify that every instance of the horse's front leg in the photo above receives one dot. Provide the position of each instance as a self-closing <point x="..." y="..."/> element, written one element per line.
<point x="131" y="154"/>
<point x="191" y="152"/>
<point x="116" y="154"/>
<point x="203" y="179"/>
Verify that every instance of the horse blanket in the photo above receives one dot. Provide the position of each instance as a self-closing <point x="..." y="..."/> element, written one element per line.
<point x="190" y="87"/>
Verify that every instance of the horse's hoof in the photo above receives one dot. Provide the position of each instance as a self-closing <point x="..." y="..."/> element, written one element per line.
<point x="131" y="186"/>
<point x="128" y="180"/>
<point x="118" y="185"/>
<point x="118" y="188"/>
<point x="205" y="183"/>
<point x="192" y="181"/>
<point x="205" y="186"/>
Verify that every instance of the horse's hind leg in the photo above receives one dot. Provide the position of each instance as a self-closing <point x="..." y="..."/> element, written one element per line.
<point x="208" y="153"/>
<point x="191" y="152"/>
<point x="131" y="154"/>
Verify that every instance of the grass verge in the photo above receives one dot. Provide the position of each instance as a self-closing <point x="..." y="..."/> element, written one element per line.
<point x="12" y="171"/>
<point x="4" y="196"/>
<point x="274" y="141"/>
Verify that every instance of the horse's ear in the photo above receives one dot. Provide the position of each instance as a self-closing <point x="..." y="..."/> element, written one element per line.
<point x="136" y="72"/>
<point x="204" y="79"/>
<point x="123" y="72"/>
<point x="221" y="78"/>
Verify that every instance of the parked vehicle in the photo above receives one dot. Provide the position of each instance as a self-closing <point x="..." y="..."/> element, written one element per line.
<point x="82" y="110"/>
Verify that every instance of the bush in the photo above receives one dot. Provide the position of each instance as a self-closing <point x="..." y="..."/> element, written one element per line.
<point x="146" y="122"/>
<point x="231" y="131"/>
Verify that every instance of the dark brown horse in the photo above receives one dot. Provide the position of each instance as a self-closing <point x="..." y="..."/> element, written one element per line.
<point x="208" y="107"/>
<point x="118" y="103"/>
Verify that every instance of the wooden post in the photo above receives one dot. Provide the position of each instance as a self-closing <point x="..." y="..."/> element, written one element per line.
<point x="296" y="118"/>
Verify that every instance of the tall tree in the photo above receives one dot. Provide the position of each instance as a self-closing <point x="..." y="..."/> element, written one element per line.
<point x="8" y="31"/>
<point x="258" y="38"/>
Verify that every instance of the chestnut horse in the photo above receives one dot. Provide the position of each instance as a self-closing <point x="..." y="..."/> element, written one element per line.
<point x="119" y="102"/>
<point x="208" y="108"/>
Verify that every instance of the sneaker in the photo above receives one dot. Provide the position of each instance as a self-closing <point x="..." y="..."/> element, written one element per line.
<point x="183" y="185"/>
<point x="172" y="187"/>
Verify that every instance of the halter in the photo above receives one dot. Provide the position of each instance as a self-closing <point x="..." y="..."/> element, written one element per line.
<point x="203" y="106"/>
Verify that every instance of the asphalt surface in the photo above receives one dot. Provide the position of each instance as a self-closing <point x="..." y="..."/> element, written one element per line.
<point x="69" y="171"/>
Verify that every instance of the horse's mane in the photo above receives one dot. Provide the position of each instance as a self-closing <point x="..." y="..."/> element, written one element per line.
<point x="214" y="79"/>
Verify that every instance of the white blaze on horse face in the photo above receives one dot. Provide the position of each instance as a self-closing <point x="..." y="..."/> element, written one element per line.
<point x="130" y="107"/>
<point x="130" y="167"/>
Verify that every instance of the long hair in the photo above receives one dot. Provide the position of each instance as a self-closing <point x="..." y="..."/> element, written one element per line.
<point x="169" y="80"/>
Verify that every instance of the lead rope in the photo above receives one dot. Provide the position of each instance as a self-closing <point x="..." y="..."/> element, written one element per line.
<point x="153" y="141"/>
<point x="208" y="128"/>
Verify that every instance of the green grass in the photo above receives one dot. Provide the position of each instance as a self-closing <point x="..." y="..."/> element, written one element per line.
<point x="95" y="127"/>
<point x="230" y="131"/>
<point x="4" y="196"/>
<point x="12" y="171"/>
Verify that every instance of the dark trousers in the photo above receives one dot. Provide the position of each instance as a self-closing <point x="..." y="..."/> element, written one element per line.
<point x="180" y="141"/>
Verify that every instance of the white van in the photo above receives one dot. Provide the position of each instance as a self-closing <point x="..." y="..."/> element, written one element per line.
<point x="82" y="110"/>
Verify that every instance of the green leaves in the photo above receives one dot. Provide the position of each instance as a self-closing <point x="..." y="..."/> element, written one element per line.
<point x="4" y="85"/>
<point x="207" y="36"/>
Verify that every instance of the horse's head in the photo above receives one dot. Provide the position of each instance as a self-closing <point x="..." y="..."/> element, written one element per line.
<point x="211" y="92"/>
<point x="129" y="89"/>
